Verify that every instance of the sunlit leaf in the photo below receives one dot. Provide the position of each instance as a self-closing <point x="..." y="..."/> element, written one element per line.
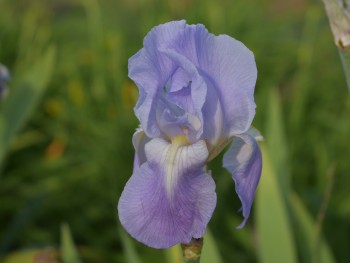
<point x="174" y="254"/>
<point x="24" y="97"/>
<point x="68" y="249"/>
<point x="273" y="226"/>
<point x="210" y="252"/>
<point x="129" y="249"/>
<point x="45" y="255"/>
<point x="311" y="250"/>
<point x="26" y="256"/>
<point x="276" y="142"/>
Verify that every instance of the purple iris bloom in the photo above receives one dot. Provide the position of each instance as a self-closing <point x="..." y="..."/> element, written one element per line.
<point x="196" y="97"/>
<point x="4" y="77"/>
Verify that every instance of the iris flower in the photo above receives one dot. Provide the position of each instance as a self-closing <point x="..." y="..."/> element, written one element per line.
<point x="196" y="97"/>
<point x="4" y="77"/>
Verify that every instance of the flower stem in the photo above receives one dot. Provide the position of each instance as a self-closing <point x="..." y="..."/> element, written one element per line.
<point x="339" y="18"/>
<point x="345" y="59"/>
<point x="192" y="251"/>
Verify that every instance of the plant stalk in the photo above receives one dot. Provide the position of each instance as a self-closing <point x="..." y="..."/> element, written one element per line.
<point x="338" y="12"/>
<point x="192" y="251"/>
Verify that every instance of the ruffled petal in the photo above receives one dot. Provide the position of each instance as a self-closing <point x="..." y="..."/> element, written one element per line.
<point x="255" y="133"/>
<point x="139" y="140"/>
<point x="229" y="70"/>
<point x="4" y="77"/>
<point x="190" y="98"/>
<point x="177" y="52"/>
<point x="150" y="70"/>
<point x="171" y="198"/>
<point x="244" y="161"/>
<point x="228" y="66"/>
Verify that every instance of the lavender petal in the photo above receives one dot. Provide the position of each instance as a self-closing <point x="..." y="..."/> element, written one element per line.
<point x="161" y="207"/>
<point x="244" y="161"/>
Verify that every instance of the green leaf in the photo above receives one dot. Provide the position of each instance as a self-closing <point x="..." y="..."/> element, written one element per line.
<point x="210" y="251"/>
<point x="338" y="15"/>
<point x="174" y="254"/>
<point x="345" y="60"/>
<point x="312" y="249"/>
<point x="25" y="256"/>
<point x="68" y="250"/>
<point x="130" y="252"/>
<point x="2" y="138"/>
<point x="23" y="98"/>
<point x="275" y="233"/>
<point x="276" y="142"/>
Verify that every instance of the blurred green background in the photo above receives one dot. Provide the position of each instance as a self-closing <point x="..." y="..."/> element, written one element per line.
<point x="66" y="130"/>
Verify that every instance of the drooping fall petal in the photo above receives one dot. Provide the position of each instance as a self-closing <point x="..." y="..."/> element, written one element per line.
<point x="171" y="197"/>
<point x="244" y="161"/>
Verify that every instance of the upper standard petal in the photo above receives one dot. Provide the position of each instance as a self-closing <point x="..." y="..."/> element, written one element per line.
<point x="219" y="71"/>
<point x="228" y="67"/>
<point x="150" y="70"/>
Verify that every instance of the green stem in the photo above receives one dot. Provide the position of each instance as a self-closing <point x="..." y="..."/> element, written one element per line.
<point x="345" y="59"/>
<point x="339" y="18"/>
<point x="192" y="251"/>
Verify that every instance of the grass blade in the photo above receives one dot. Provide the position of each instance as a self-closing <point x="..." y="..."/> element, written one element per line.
<point x="69" y="252"/>
<point x="24" y="98"/>
<point x="130" y="252"/>
<point x="307" y="235"/>
<point x="210" y="251"/>
<point x="275" y="233"/>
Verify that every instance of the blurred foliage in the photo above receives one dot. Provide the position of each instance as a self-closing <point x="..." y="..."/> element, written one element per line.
<point x="69" y="251"/>
<point x="72" y="155"/>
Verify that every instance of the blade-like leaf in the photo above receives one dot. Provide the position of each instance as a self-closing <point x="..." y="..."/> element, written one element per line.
<point x="130" y="252"/>
<point x="23" y="99"/>
<point x="307" y="235"/>
<point x="32" y="256"/>
<point x="68" y="250"/>
<point x="276" y="143"/>
<point x="26" y="256"/>
<point x="338" y="15"/>
<point x="174" y="254"/>
<point x="210" y="252"/>
<point x="275" y="234"/>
